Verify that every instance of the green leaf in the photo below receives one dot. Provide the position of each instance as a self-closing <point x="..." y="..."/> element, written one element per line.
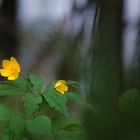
<point x="129" y="102"/>
<point x="20" y="82"/>
<point x="66" y="123"/>
<point x="31" y="102"/>
<point x="17" y="124"/>
<point x="72" y="83"/>
<point x="15" y="87"/>
<point x="5" y="134"/>
<point x="5" y="113"/>
<point x="40" y="125"/>
<point x="73" y="96"/>
<point x="71" y="135"/>
<point x="76" y="97"/>
<point x="37" y="82"/>
<point x="56" y="100"/>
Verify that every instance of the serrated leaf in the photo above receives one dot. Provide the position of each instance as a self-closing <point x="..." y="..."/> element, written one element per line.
<point x="20" y="82"/>
<point x="9" y="88"/>
<point x="5" y="113"/>
<point x="31" y="102"/>
<point x="17" y="124"/>
<point x="37" y="82"/>
<point x="40" y="125"/>
<point x="56" y="100"/>
<point x="50" y="88"/>
<point x="129" y="102"/>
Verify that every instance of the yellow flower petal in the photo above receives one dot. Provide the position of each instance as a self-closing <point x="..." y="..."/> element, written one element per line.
<point x="6" y="64"/>
<point x="5" y="72"/>
<point x="10" y="69"/>
<point x="64" y="87"/>
<point x="59" y="82"/>
<point x="60" y="86"/>
<point x="13" y="77"/>
<point x="15" y="63"/>
<point x="60" y="90"/>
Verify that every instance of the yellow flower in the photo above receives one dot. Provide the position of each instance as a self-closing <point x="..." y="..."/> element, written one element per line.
<point x="11" y="69"/>
<point x="61" y="86"/>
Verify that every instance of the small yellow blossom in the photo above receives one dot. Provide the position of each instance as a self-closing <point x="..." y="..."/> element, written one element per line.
<point x="11" y="69"/>
<point x="61" y="86"/>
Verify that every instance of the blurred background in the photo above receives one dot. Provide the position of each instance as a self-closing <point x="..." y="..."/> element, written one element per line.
<point x="95" y="42"/>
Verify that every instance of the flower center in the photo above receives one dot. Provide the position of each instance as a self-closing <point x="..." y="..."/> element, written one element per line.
<point x="13" y="71"/>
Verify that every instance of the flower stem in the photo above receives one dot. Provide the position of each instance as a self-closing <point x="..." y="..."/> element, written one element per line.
<point x="27" y="82"/>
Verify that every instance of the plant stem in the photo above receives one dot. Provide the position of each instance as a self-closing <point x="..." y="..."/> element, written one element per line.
<point x="24" y="77"/>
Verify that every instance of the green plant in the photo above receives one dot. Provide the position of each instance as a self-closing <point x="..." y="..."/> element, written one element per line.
<point x="38" y="111"/>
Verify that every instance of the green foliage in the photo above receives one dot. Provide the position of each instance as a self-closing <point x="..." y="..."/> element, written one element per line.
<point x="28" y="121"/>
<point x="17" y="124"/>
<point x="72" y="83"/>
<point x="76" y="97"/>
<point x="73" y="96"/>
<point x="57" y="101"/>
<point x="40" y="125"/>
<point x="129" y="103"/>
<point x="5" y="113"/>
<point x="31" y="102"/>
<point x="10" y="88"/>
<point x="5" y="134"/>
<point x="61" y="123"/>
<point x="70" y="135"/>
<point x="37" y="82"/>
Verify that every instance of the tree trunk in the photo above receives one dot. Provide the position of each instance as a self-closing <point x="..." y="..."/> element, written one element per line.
<point x="106" y="70"/>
